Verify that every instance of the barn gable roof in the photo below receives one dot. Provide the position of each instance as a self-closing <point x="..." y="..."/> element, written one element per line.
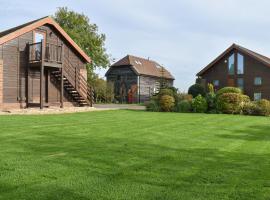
<point x="12" y="33"/>
<point x="143" y="66"/>
<point x="263" y="59"/>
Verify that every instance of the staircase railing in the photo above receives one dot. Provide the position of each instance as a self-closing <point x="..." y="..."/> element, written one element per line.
<point x="78" y="81"/>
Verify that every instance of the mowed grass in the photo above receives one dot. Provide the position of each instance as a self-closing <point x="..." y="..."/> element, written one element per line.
<point x="134" y="155"/>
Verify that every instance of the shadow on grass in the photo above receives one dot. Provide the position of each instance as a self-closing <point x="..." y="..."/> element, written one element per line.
<point x="251" y="133"/>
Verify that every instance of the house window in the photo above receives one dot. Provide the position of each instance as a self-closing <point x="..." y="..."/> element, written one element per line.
<point x="216" y="83"/>
<point x="257" y="96"/>
<point x="118" y="77"/>
<point x="240" y="64"/>
<point x="157" y="87"/>
<point x="240" y="83"/>
<point x="258" y="81"/>
<point x="231" y="65"/>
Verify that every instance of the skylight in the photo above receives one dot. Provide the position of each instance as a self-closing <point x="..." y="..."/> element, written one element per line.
<point x="138" y="62"/>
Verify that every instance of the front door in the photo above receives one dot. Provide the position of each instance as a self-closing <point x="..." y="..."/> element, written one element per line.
<point x="38" y="38"/>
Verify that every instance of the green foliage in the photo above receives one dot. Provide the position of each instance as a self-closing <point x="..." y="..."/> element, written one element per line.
<point x="199" y="104"/>
<point x="183" y="96"/>
<point x="264" y="107"/>
<point x="109" y="92"/>
<point x="165" y="91"/>
<point x="196" y="90"/>
<point x="211" y="102"/>
<point x="250" y="108"/>
<point x="230" y="103"/>
<point x="86" y="35"/>
<point x="153" y="106"/>
<point x="167" y="103"/>
<point x="184" y="106"/>
<point x="103" y="91"/>
<point x="229" y="90"/>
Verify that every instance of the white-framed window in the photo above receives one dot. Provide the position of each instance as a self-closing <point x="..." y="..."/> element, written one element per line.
<point x="257" y="96"/>
<point x="157" y="87"/>
<point x="258" y="81"/>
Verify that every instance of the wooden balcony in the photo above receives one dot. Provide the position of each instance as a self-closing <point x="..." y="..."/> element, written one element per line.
<point x="48" y="55"/>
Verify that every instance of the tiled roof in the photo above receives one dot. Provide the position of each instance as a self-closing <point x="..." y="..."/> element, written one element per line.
<point x="144" y="66"/>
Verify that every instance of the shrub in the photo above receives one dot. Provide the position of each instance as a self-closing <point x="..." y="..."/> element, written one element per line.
<point x="199" y="104"/>
<point x="196" y="90"/>
<point x="184" y="106"/>
<point x="264" y="107"/>
<point x="183" y="96"/>
<point x="229" y="103"/>
<point x="166" y="91"/>
<point x="211" y="102"/>
<point x="250" y="108"/>
<point x="167" y="103"/>
<point x="229" y="90"/>
<point x="153" y="106"/>
<point x="210" y="88"/>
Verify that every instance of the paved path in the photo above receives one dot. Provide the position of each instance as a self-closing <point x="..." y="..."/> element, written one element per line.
<point x="119" y="106"/>
<point x="57" y="110"/>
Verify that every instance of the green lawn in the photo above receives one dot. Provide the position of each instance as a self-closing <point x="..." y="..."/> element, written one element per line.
<point x="134" y="155"/>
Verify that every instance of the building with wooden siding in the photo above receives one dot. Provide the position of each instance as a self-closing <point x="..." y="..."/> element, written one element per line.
<point x="40" y="65"/>
<point x="136" y="79"/>
<point x="240" y="67"/>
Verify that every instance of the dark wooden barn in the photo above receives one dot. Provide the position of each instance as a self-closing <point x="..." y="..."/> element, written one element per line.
<point x="240" y="67"/>
<point x="136" y="79"/>
<point x="40" y="65"/>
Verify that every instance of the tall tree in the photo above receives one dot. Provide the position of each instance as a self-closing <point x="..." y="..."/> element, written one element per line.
<point x="86" y="35"/>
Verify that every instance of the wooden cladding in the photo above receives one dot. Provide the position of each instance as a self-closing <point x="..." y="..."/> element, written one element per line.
<point x="1" y="83"/>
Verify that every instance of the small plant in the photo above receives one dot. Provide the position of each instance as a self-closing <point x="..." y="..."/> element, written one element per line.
<point x="196" y="90"/>
<point x="199" y="104"/>
<point x="184" y="106"/>
<point x="153" y="106"/>
<point x="229" y="90"/>
<point x="167" y="103"/>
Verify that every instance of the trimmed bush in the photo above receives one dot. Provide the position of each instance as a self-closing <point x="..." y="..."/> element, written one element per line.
<point x="264" y="107"/>
<point x="199" y="104"/>
<point x="229" y="90"/>
<point x="153" y="106"/>
<point x="167" y="103"/>
<point x="196" y="90"/>
<point x="184" y="106"/>
<point x="250" y="108"/>
<point x="230" y="103"/>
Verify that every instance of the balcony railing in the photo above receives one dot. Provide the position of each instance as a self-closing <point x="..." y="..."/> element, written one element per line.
<point x="53" y="53"/>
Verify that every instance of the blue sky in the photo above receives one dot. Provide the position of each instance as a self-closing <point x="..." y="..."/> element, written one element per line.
<point x="182" y="35"/>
